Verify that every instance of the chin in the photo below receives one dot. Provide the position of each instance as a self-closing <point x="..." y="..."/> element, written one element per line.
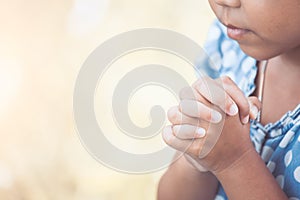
<point x="259" y="53"/>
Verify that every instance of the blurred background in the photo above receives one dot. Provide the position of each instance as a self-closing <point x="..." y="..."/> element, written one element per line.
<point x="42" y="47"/>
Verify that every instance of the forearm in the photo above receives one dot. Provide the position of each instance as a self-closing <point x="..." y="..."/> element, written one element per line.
<point x="250" y="179"/>
<point x="183" y="181"/>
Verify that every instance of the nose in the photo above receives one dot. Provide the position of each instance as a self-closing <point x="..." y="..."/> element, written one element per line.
<point x="229" y="3"/>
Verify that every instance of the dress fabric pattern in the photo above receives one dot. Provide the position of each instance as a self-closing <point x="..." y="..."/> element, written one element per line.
<point x="277" y="143"/>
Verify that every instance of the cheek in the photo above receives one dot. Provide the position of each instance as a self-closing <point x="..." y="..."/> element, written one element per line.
<point x="272" y="38"/>
<point x="219" y="10"/>
<point x="277" y="31"/>
<point x="285" y="39"/>
<point x="213" y="6"/>
<point x="263" y="49"/>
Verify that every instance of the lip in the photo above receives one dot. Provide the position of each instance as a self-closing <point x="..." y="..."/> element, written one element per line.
<point x="236" y="33"/>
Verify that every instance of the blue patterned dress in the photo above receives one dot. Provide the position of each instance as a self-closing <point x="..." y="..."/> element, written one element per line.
<point x="277" y="143"/>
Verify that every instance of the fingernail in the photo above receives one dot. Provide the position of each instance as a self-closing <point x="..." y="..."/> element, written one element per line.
<point x="233" y="110"/>
<point x="201" y="132"/>
<point x="216" y="117"/>
<point x="245" y="120"/>
<point x="254" y="111"/>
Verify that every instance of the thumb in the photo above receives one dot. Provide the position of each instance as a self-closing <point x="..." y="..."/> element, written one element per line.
<point x="255" y="106"/>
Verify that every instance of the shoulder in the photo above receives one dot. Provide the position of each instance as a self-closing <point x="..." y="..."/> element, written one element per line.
<point x="228" y="59"/>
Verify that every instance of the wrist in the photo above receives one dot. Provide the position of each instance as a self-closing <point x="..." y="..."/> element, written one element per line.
<point x="240" y="166"/>
<point x="194" y="164"/>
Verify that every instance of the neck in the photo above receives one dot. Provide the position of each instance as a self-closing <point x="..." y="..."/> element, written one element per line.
<point x="288" y="64"/>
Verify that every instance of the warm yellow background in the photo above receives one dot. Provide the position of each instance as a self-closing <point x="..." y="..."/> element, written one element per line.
<point x="42" y="46"/>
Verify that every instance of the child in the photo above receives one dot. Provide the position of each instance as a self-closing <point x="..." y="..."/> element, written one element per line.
<point x="264" y="164"/>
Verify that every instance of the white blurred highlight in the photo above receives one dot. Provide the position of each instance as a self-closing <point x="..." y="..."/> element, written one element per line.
<point x="10" y="79"/>
<point x="86" y="16"/>
<point x="6" y="178"/>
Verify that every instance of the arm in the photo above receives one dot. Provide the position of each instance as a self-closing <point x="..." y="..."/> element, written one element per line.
<point x="257" y="182"/>
<point x="183" y="181"/>
<point x="232" y="159"/>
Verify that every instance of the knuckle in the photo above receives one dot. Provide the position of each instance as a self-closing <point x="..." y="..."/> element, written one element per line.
<point x="168" y="141"/>
<point x="175" y="130"/>
<point x="181" y="105"/>
<point x="254" y="101"/>
<point x="246" y="107"/>
<point x="168" y="138"/>
<point x="183" y="93"/>
<point x="209" y="117"/>
<point x="220" y="100"/>
<point x="194" y="149"/>
<point x="226" y="80"/>
<point x="173" y="115"/>
<point x="186" y="92"/>
<point x="228" y="99"/>
<point x="205" y="113"/>
<point x="200" y="83"/>
<point x="236" y="89"/>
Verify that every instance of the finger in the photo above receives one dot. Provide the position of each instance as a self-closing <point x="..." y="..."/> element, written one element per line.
<point x="215" y="94"/>
<point x="174" y="142"/>
<point x="238" y="97"/>
<point x="190" y="146"/>
<point x="176" y="117"/>
<point x="255" y="106"/>
<point x="189" y="93"/>
<point x="188" y="131"/>
<point x="193" y="108"/>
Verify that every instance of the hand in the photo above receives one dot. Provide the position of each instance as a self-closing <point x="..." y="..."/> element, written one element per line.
<point x="190" y="132"/>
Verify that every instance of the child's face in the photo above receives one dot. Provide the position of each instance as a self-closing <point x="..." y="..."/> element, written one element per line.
<point x="267" y="27"/>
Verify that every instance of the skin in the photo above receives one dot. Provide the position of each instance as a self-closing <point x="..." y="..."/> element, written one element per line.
<point x="274" y="25"/>
<point x="272" y="32"/>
